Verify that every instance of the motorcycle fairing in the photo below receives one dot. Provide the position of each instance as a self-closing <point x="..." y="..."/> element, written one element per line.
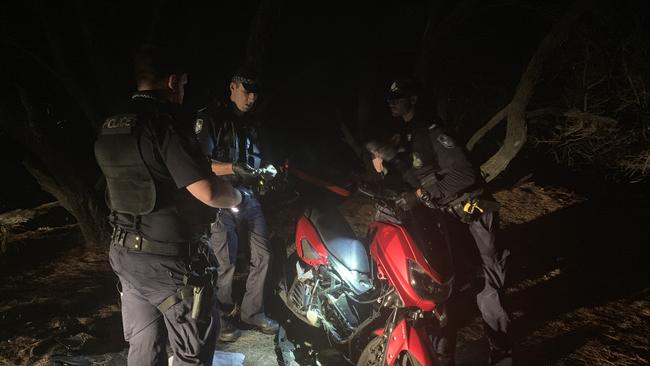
<point x="359" y="282"/>
<point x="338" y="238"/>
<point x="391" y="248"/>
<point x="413" y="340"/>
<point x="305" y="231"/>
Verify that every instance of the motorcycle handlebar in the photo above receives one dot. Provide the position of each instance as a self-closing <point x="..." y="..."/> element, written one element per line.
<point x="383" y="199"/>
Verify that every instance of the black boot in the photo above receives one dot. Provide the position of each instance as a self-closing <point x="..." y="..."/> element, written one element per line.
<point x="263" y="323"/>
<point x="228" y="332"/>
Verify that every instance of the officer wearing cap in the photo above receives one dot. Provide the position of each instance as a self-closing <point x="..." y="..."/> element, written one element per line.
<point x="437" y="173"/>
<point x="229" y="136"/>
<point x="154" y="169"/>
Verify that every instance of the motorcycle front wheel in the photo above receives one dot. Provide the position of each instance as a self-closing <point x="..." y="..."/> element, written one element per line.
<point x="373" y="353"/>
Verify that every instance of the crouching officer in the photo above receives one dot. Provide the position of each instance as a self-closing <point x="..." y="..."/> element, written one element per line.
<point x="229" y="137"/>
<point x="152" y="167"/>
<point x="440" y="176"/>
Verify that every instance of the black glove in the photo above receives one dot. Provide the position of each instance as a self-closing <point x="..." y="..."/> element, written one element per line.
<point x="406" y="200"/>
<point x="268" y="171"/>
<point x="243" y="170"/>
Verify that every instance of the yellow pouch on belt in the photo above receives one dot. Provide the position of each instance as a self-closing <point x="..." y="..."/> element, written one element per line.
<point x="471" y="206"/>
<point x="472" y="209"/>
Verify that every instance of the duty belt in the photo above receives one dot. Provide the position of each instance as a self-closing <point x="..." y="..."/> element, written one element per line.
<point x="136" y="242"/>
<point x="470" y="206"/>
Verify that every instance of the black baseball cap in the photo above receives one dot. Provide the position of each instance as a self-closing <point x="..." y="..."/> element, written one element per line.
<point x="248" y="78"/>
<point x="403" y="88"/>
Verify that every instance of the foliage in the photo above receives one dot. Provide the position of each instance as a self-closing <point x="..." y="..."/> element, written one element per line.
<point x="601" y="118"/>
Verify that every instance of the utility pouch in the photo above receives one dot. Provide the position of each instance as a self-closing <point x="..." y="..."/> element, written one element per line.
<point x="470" y="210"/>
<point x="201" y="288"/>
<point x="197" y="302"/>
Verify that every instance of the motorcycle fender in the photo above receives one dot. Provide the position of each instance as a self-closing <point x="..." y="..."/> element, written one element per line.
<point x="415" y="341"/>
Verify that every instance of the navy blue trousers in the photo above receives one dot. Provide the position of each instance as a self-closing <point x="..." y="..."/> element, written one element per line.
<point x="147" y="280"/>
<point x="248" y="220"/>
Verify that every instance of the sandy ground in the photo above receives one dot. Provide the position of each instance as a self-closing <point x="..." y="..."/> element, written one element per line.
<point x="578" y="287"/>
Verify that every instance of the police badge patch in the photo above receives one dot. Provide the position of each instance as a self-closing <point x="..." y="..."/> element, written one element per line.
<point x="417" y="160"/>
<point x="446" y="141"/>
<point x="198" y="126"/>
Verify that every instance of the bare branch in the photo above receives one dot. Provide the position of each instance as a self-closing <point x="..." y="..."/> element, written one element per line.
<point x="498" y="117"/>
<point x="516" y="130"/>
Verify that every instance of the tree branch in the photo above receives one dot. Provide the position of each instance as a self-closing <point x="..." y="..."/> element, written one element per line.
<point x="478" y="135"/>
<point x="516" y="130"/>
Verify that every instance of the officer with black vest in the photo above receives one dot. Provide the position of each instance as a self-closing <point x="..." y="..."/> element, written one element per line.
<point x="154" y="170"/>
<point x="229" y="135"/>
<point x="436" y="172"/>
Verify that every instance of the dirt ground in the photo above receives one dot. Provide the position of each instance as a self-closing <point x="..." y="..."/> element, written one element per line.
<point x="579" y="289"/>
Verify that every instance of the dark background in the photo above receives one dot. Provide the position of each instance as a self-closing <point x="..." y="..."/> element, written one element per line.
<point x="320" y="62"/>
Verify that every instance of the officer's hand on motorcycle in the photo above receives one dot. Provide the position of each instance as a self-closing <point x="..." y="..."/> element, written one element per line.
<point x="378" y="164"/>
<point x="243" y="170"/>
<point x="406" y="200"/>
<point x="380" y="150"/>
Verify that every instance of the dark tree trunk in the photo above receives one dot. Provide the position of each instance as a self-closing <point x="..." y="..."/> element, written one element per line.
<point x="61" y="160"/>
<point x="515" y="111"/>
<point x="85" y="204"/>
<point x="57" y="166"/>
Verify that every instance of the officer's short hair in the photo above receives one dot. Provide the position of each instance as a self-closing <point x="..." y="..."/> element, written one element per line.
<point x="154" y="62"/>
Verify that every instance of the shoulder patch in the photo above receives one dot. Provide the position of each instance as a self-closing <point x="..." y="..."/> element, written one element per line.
<point x="446" y="141"/>
<point x="198" y="125"/>
<point x="416" y="160"/>
<point x="120" y="121"/>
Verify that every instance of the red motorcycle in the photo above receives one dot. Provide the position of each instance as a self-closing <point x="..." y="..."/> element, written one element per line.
<point x="385" y="293"/>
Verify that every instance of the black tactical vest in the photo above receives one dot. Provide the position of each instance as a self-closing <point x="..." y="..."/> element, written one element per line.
<point x="130" y="187"/>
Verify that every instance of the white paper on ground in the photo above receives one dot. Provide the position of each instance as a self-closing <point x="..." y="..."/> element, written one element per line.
<point x="222" y="359"/>
<point x="228" y="359"/>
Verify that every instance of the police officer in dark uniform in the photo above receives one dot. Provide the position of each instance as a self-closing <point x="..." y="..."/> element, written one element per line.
<point x="229" y="136"/>
<point x="438" y="174"/>
<point x="153" y="168"/>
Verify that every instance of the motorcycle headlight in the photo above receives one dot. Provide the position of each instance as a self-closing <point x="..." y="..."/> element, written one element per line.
<point x="425" y="286"/>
